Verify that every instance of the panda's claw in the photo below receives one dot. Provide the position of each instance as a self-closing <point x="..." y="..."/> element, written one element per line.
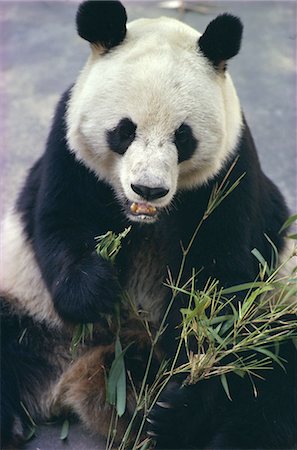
<point x="151" y="421"/>
<point x="152" y="434"/>
<point x="165" y="405"/>
<point x="167" y="416"/>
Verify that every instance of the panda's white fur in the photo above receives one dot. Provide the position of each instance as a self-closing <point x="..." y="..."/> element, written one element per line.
<point x="160" y="54"/>
<point x="20" y="276"/>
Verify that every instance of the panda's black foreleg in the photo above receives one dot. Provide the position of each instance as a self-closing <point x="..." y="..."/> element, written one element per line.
<point x="268" y="420"/>
<point x="82" y="284"/>
<point x="85" y="289"/>
<point x="183" y="413"/>
<point x="201" y="416"/>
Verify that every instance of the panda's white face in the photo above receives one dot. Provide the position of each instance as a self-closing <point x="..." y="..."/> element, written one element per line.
<point x="153" y="116"/>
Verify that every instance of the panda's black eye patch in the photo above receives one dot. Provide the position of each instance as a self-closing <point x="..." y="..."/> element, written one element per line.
<point x="122" y="136"/>
<point x="185" y="142"/>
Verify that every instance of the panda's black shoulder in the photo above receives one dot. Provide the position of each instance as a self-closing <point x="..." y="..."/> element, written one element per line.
<point x="27" y="198"/>
<point x="56" y="142"/>
<point x="26" y="201"/>
<point x="255" y="208"/>
<point x="58" y="186"/>
<point x="265" y="198"/>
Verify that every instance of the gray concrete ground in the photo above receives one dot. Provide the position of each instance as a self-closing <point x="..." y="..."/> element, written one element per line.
<point x="41" y="56"/>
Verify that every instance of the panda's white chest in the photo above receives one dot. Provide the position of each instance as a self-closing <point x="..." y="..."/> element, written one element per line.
<point x="145" y="280"/>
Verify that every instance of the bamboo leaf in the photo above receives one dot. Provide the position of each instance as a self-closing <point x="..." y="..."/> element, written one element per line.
<point x="121" y="382"/>
<point x="30" y="434"/>
<point x="188" y="314"/>
<point x="117" y="367"/>
<point x="121" y="393"/>
<point x="22" y="335"/>
<point x="276" y="348"/>
<point x="109" y="244"/>
<point x="234" y="310"/>
<point x="220" y="319"/>
<point x="32" y="422"/>
<point x="216" y="336"/>
<point x="240" y="373"/>
<point x="64" y="430"/>
<point x="90" y="328"/>
<point x="146" y="445"/>
<point x="259" y="257"/>
<point x="288" y="222"/>
<point x="227" y="325"/>
<point x="114" y="374"/>
<point x="270" y="355"/>
<point x="290" y="294"/>
<point x="274" y="259"/>
<point x="246" y="286"/>
<point x="77" y="336"/>
<point x="218" y="328"/>
<point x="292" y="236"/>
<point x="225" y="385"/>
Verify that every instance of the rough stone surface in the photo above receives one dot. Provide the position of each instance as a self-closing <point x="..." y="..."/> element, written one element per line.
<point x="41" y="56"/>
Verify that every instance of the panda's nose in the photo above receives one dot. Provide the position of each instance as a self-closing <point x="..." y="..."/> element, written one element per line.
<point x="149" y="193"/>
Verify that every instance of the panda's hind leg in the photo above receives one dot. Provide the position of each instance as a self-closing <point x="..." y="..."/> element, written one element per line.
<point x="13" y="422"/>
<point x="82" y="387"/>
<point x="23" y="374"/>
<point x="82" y="391"/>
<point x="30" y="366"/>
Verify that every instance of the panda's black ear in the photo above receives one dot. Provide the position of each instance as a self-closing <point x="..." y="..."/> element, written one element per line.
<point x="221" y="39"/>
<point x="102" y="22"/>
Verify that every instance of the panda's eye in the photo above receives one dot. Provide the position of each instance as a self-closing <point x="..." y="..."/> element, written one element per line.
<point x="122" y="136"/>
<point x="185" y="142"/>
<point x="182" y="134"/>
<point x="127" y="129"/>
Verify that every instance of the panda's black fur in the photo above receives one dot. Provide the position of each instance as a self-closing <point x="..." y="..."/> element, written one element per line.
<point x="63" y="207"/>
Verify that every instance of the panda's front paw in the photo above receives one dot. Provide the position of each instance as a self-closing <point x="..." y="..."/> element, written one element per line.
<point x="86" y="290"/>
<point x="168" y="421"/>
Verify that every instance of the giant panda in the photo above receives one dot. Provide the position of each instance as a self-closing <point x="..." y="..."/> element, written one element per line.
<point x="151" y="125"/>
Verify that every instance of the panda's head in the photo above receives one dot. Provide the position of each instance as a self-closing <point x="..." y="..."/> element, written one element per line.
<point x="154" y="109"/>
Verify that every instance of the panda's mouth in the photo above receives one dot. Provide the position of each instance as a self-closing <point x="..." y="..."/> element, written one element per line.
<point x="142" y="211"/>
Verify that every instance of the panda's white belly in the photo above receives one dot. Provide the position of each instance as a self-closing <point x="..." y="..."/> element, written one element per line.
<point x="20" y="278"/>
<point x="144" y="284"/>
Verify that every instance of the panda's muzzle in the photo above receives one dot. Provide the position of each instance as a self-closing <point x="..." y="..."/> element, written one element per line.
<point x="149" y="193"/>
<point x="144" y="209"/>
